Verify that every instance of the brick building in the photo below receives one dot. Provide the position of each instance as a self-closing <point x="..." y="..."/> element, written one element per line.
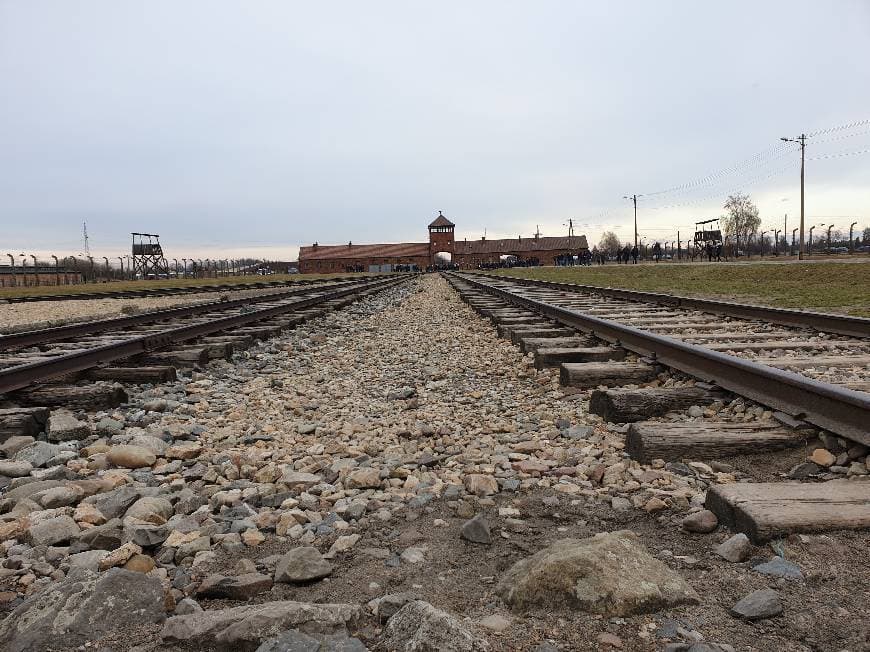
<point x="442" y="247"/>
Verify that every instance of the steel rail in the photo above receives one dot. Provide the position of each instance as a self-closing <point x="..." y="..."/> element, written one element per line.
<point x="20" y="376"/>
<point x="821" y="321"/>
<point x="161" y="292"/>
<point x="56" y="333"/>
<point x="842" y="411"/>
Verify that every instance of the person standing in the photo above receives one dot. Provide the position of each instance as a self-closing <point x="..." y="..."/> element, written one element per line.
<point x="634" y="253"/>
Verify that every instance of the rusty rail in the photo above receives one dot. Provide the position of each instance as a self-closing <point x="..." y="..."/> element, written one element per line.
<point x="20" y="376"/>
<point x="837" y="409"/>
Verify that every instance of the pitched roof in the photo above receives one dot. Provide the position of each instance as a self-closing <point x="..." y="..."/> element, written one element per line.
<point x="520" y="245"/>
<point x="332" y="252"/>
<point x="441" y="221"/>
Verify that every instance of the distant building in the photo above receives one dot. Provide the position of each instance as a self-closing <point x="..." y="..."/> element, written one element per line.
<point x="442" y="248"/>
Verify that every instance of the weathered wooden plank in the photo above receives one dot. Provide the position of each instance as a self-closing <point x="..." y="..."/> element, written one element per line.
<point x="186" y="357"/>
<point x="587" y="375"/>
<point x="39" y="413"/>
<point x="87" y="397"/>
<point x="649" y="440"/>
<point x="517" y="333"/>
<point x="532" y="344"/>
<point x="155" y="374"/>
<point x="629" y="405"/>
<point x="16" y="424"/>
<point x="765" y="511"/>
<point x="553" y="357"/>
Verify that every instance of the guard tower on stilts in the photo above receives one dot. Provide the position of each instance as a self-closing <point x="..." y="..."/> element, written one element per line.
<point x="148" y="260"/>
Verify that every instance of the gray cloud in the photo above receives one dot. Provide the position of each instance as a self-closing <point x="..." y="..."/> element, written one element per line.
<point x="232" y="126"/>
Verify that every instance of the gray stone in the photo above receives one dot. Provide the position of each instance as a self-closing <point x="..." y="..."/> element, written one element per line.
<point x="302" y="564"/>
<point x="83" y="607"/>
<point x="200" y="544"/>
<point x="705" y="646"/>
<point x="63" y="426"/>
<point x="578" y="432"/>
<point x="804" y="470"/>
<point x="476" y="530"/>
<point x="108" y="536"/>
<point x="60" y="497"/>
<point x="620" y="504"/>
<point x="88" y="560"/>
<point x="735" y="549"/>
<point x="701" y="522"/>
<point x="391" y="603"/>
<point x="52" y="531"/>
<point x="37" y="453"/>
<point x="187" y="606"/>
<point x="610" y="573"/>
<point x="14" y="444"/>
<point x="12" y="469"/>
<point x="239" y="587"/>
<point x="244" y="627"/>
<point x="147" y="535"/>
<point x="115" y="503"/>
<point x="758" y="605"/>
<point x="296" y="641"/>
<point x="151" y="509"/>
<point x="779" y="567"/>
<point x="420" y="627"/>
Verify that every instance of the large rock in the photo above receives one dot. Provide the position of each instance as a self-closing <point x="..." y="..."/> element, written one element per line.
<point x="38" y="453"/>
<point x="131" y="457"/>
<point x="63" y="426"/>
<point x="108" y="536"/>
<point x="240" y="587"/>
<point x="480" y="484"/>
<point x="610" y="573"/>
<point x="302" y="564"/>
<point x="150" y="509"/>
<point x="367" y="478"/>
<point x="296" y="641"/>
<point x="82" y="607"/>
<point x="476" y="530"/>
<point x="115" y="503"/>
<point x="758" y="605"/>
<point x="52" y="531"/>
<point x="420" y="627"/>
<point x="12" y="469"/>
<point x="244" y="627"/>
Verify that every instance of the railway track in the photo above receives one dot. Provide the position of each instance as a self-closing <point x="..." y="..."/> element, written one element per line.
<point x="623" y="352"/>
<point x="170" y="291"/>
<point x="160" y="339"/>
<point x="782" y="359"/>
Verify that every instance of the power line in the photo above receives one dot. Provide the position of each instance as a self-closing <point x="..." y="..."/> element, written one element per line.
<point x="838" y="155"/>
<point x="851" y="125"/>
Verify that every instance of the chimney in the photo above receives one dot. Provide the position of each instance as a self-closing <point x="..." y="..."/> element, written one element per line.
<point x="314" y="246"/>
<point x="349" y="244"/>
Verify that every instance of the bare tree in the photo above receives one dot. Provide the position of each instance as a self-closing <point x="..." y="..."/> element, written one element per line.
<point x="742" y="220"/>
<point x="609" y="243"/>
<point x="866" y="235"/>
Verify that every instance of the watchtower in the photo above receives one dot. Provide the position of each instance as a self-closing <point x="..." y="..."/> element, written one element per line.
<point x="148" y="260"/>
<point x="441" y="236"/>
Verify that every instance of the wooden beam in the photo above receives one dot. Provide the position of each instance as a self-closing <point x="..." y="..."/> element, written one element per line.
<point x="765" y="511"/>
<point x="649" y="440"/>
<point x="179" y="357"/>
<point x="516" y="333"/>
<point x="629" y="405"/>
<point x="91" y="397"/>
<point x="135" y="375"/>
<point x="532" y="344"/>
<point x="586" y="375"/>
<point x="553" y="357"/>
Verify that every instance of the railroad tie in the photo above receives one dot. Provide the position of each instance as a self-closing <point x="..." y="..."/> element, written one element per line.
<point x="588" y="375"/>
<point x="630" y="405"/>
<point x="555" y="356"/>
<point x="650" y="440"/>
<point x="765" y="511"/>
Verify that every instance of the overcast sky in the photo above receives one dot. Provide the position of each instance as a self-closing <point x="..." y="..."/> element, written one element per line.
<point x="254" y="127"/>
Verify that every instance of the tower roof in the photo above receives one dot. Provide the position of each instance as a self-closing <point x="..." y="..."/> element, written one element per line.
<point x="441" y="221"/>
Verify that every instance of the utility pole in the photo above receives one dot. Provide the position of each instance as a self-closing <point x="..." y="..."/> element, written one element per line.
<point x="851" y="242"/>
<point x="830" y="226"/>
<point x="633" y="198"/>
<point x="802" y="141"/>
<point x="679" y="246"/>
<point x="784" y="236"/>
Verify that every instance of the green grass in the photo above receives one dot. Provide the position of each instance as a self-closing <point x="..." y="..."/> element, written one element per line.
<point x="123" y="286"/>
<point x="830" y="287"/>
